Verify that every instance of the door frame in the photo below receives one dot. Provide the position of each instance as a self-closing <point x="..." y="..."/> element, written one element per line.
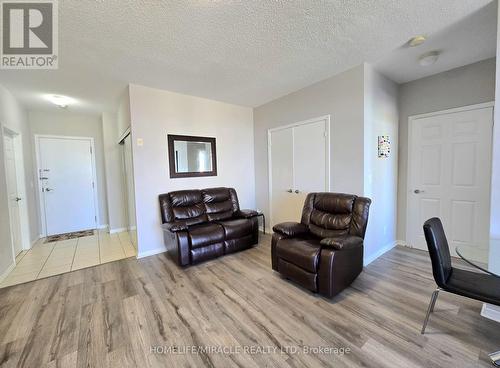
<point x="21" y="187"/>
<point x="326" y="118"/>
<point x="41" y="203"/>
<point x="411" y="121"/>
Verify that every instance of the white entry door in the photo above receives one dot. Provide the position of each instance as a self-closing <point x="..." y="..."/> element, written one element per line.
<point x="449" y="177"/>
<point x="299" y="164"/>
<point x="13" y="194"/>
<point x="67" y="185"/>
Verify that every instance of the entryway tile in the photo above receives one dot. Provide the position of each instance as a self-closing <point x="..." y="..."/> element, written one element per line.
<point x="52" y="271"/>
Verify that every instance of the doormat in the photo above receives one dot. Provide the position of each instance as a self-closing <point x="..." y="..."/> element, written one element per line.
<point x="76" y="234"/>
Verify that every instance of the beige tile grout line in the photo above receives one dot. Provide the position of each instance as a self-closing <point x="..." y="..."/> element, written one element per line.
<point x="44" y="263"/>
<point x="74" y="254"/>
<point x="99" y="245"/>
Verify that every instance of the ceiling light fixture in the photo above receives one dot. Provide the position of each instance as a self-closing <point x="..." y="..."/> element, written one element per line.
<point x="428" y="58"/>
<point x="61" y="101"/>
<point x="417" y="40"/>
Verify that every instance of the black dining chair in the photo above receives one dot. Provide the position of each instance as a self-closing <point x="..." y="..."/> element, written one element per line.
<point x="479" y="286"/>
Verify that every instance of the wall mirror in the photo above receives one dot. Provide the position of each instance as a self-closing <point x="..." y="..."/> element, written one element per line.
<point x="191" y="156"/>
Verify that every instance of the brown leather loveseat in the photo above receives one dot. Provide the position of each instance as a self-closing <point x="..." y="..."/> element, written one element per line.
<point x="203" y="224"/>
<point x="324" y="252"/>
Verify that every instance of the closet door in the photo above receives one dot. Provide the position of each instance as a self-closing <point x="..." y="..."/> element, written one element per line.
<point x="281" y="150"/>
<point x="299" y="164"/>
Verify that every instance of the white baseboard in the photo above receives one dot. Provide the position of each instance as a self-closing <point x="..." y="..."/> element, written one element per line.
<point x="491" y="312"/>
<point x="118" y="230"/>
<point x="34" y="241"/>
<point x="102" y="226"/>
<point x="381" y="251"/>
<point x="151" y="252"/>
<point x="9" y="269"/>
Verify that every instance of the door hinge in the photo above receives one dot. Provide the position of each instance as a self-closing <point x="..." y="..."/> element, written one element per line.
<point x="93" y="185"/>
<point x="90" y="149"/>
<point x="95" y="219"/>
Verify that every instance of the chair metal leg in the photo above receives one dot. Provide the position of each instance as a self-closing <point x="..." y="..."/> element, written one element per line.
<point x="495" y="358"/>
<point x="430" y="309"/>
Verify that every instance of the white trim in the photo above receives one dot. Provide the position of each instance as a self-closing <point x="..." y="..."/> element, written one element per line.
<point x="9" y="269"/>
<point x="17" y="141"/>
<point x="379" y="253"/>
<point x="118" y="230"/>
<point x="102" y="226"/>
<point x="491" y="312"/>
<point x="151" y="252"/>
<point x="327" y="119"/>
<point x="37" y="176"/>
<point x="411" y="120"/>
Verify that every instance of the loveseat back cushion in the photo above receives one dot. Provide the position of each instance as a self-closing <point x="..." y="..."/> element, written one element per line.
<point x="331" y="214"/>
<point x="183" y="205"/>
<point x="220" y="203"/>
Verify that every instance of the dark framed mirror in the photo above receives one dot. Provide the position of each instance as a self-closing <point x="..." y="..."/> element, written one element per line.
<point x="191" y="156"/>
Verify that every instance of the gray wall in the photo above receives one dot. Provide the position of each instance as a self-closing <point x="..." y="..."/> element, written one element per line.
<point x="340" y="96"/>
<point x="70" y="124"/>
<point x="467" y="85"/>
<point x="380" y="173"/>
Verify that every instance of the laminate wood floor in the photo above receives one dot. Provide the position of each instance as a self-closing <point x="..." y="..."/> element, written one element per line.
<point x="133" y="313"/>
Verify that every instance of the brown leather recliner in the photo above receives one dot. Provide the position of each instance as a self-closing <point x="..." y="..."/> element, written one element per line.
<point x="324" y="252"/>
<point x="203" y="224"/>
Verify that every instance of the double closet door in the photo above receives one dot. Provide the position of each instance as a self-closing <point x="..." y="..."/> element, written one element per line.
<point x="298" y="164"/>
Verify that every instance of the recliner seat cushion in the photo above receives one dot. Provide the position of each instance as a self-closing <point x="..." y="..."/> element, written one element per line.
<point x="303" y="253"/>
<point x="236" y="228"/>
<point x="206" y="234"/>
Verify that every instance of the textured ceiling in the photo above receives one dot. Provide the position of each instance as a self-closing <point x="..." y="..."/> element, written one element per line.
<point x="242" y="52"/>
<point x="467" y="41"/>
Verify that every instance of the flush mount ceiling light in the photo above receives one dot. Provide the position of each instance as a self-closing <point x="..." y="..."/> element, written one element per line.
<point x="428" y="58"/>
<point x="61" y="101"/>
<point x="417" y="40"/>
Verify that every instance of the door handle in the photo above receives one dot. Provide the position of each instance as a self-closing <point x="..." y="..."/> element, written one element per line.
<point x="418" y="191"/>
<point x="297" y="191"/>
<point x="18" y="199"/>
<point x="289" y="191"/>
<point x="48" y="189"/>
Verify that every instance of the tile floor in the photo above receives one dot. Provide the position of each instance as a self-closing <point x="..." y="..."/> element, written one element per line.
<point x="49" y="259"/>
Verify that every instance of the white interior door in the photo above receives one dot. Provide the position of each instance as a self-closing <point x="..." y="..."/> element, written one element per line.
<point x="450" y="173"/>
<point x="13" y="194"/>
<point x="299" y="164"/>
<point x="67" y="184"/>
<point x="310" y="160"/>
<point x="283" y="207"/>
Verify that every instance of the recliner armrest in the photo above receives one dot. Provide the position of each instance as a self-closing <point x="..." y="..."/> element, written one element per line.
<point x="174" y="226"/>
<point x="245" y="214"/>
<point x="342" y="242"/>
<point x="291" y="229"/>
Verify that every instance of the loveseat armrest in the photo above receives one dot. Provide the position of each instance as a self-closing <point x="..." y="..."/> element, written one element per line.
<point x="291" y="229"/>
<point x="246" y="214"/>
<point x="343" y="242"/>
<point x="174" y="226"/>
